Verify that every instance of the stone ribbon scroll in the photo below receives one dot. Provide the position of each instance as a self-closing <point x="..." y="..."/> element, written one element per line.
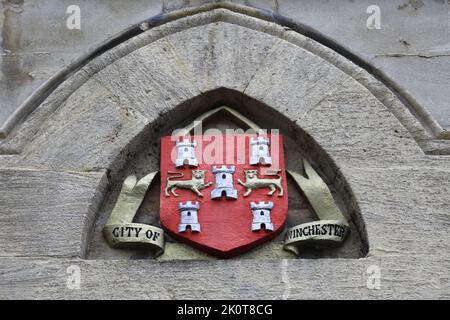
<point x="332" y="226"/>
<point x="120" y="231"/>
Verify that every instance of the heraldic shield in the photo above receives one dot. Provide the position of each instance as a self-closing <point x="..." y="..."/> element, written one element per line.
<point x="223" y="194"/>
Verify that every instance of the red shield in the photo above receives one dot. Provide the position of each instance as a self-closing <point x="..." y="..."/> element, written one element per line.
<point x="219" y="222"/>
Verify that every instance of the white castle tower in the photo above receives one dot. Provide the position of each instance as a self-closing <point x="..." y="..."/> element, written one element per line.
<point x="261" y="215"/>
<point x="260" y="152"/>
<point x="224" y="182"/>
<point x="186" y="153"/>
<point x="189" y="216"/>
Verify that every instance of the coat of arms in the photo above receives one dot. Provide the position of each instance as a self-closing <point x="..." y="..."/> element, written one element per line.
<point x="228" y="201"/>
<point x="224" y="194"/>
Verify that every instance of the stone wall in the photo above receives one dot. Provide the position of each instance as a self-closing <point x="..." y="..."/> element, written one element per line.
<point x="73" y="141"/>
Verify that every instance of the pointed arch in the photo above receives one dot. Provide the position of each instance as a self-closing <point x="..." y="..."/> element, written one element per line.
<point x="122" y="100"/>
<point x="414" y="117"/>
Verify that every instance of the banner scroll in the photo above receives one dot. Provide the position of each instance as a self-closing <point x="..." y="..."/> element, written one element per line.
<point x="120" y="231"/>
<point x="332" y="226"/>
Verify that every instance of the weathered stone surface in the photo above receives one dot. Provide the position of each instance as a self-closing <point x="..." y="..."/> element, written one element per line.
<point x="341" y="115"/>
<point x="404" y="49"/>
<point x="309" y="78"/>
<point x="289" y="79"/>
<point x="404" y="209"/>
<point x="37" y="43"/>
<point x="30" y="58"/>
<point x="238" y="19"/>
<point x="170" y="5"/>
<point x="221" y="54"/>
<point x="407" y="277"/>
<point x="87" y="132"/>
<point x="426" y="80"/>
<point x="158" y="82"/>
<point x="48" y="213"/>
<point x="180" y="251"/>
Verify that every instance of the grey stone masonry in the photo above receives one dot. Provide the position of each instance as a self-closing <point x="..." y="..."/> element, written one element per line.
<point x="65" y="153"/>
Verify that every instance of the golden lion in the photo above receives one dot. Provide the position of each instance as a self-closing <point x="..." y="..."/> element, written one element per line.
<point x="253" y="182"/>
<point x="195" y="184"/>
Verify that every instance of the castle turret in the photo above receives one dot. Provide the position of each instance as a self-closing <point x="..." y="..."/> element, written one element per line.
<point x="186" y="153"/>
<point x="260" y="152"/>
<point x="261" y="215"/>
<point x="224" y="182"/>
<point x="189" y="216"/>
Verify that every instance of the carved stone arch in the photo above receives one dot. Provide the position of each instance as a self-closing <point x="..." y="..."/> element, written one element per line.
<point x="78" y="141"/>
<point x="55" y="91"/>
<point x="144" y="158"/>
<point x="119" y="101"/>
